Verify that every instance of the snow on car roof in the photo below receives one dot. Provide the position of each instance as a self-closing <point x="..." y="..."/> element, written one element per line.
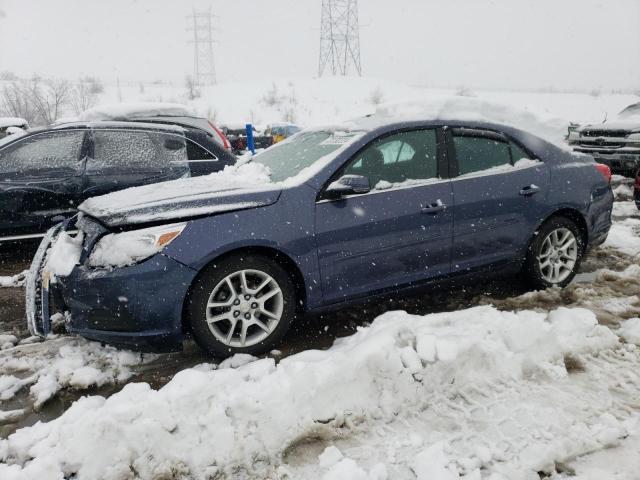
<point x="457" y="108"/>
<point x="118" y="111"/>
<point x="118" y="124"/>
<point x="13" y="122"/>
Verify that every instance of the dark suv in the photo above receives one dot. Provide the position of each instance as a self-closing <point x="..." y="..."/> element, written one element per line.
<point x="45" y="174"/>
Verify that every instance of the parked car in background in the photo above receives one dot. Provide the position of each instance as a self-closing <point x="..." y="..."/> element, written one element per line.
<point x="47" y="173"/>
<point x="347" y="214"/>
<point x="154" y="112"/>
<point x="237" y="135"/>
<point x="280" y="131"/>
<point x="614" y="143"/>
<point x="11" y="125"/>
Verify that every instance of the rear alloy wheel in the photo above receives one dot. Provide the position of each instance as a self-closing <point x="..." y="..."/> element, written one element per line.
<point x="554" y="254"/>
<point x="558" y="255"/>
<point x="242" y="304"/>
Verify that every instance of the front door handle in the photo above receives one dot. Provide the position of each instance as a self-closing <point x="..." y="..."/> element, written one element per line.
<point x="434" y="208"/>
<point x="529" y="190"/>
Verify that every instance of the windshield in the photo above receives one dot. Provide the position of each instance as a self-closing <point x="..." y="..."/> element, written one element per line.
<point x="631" y="110"/>
<point x="287" y="159"/>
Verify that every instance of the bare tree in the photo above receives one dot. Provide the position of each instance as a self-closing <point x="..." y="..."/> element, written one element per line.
<point x="49" y="98"/>
<point x="83" y="97"/>
<point x="17" y="102"/>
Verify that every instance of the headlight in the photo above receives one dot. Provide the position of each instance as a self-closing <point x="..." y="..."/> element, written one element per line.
<point x="127" y="248"/>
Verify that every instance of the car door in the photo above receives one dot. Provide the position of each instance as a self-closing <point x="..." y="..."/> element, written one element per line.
<point x="398" y="233"/>
<point x="40" y="180"/>
<point x="126" y="158"/>
<point x="499" y="195"/>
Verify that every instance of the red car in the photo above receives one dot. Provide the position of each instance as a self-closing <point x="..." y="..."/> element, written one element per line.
<point x="636" y="190"/>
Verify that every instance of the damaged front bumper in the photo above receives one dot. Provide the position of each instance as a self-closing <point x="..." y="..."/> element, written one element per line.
<point x="37" y="287"/>
<point x="138" y="306"/>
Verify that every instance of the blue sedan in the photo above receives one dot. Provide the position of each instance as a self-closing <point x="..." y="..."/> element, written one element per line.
<point x="329" y="217"/>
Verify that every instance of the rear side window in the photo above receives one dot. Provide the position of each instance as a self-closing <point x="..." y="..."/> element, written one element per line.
<point x="59" y="151"/>
<point x="196" y="152"/>
<point x="476" y="154"/>
<point x="137" y="150"/>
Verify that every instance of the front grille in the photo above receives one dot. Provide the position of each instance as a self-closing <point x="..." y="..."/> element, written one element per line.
<point x="602" y="145"/>
<point x="604" y="133"/>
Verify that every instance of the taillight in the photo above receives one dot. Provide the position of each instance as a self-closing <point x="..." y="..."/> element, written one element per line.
<point x="636" y="186"/>
<point x="605" y="171"/>
<point x="223" y="138"/>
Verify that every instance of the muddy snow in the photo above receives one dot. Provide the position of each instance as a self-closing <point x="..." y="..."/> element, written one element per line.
<point x="489" y="382"/>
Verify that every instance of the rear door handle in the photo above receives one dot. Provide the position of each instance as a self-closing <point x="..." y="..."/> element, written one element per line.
<point x="434" y="208"/>
<point x="529" y="190"/>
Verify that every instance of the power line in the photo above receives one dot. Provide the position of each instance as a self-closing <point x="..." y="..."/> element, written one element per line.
<point x="204" y="68"/>
<point x="339" y="38"/>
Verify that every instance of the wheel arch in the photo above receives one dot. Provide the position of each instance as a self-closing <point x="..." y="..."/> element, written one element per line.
<point x="572" y="214"/>
<point x="273" y="254"/>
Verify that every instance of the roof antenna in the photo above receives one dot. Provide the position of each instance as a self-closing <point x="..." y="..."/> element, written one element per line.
<point x="605" y="117"/>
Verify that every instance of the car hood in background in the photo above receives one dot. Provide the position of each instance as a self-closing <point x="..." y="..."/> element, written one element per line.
<point x="185" y="198"/>
<point x="631" y="124"/>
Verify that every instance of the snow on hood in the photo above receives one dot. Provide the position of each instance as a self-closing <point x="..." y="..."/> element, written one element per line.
<point x="629" y="123"/>
<point x="234" y="188"/>
<point x="549" y="128"/>
<point x="136" y="110"/>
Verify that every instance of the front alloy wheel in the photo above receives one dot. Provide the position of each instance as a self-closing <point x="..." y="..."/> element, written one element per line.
<point x="242" y="303"/>
<point x="244" y="308"/>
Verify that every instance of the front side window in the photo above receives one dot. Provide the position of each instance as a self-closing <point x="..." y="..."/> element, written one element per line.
<point x="397" y="160"/>
<point x="44" y="153"/>
<point x="477" y="154"/>
<point x="137" y="151"/>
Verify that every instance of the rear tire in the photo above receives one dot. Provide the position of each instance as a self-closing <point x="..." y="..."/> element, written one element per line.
<point x="241" y="304"/>
<point x="554" y="254"/>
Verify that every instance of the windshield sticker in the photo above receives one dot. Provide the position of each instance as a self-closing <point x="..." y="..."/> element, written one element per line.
<point x="337" y="140"/>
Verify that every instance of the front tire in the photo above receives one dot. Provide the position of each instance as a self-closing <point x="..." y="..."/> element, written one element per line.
<point x="241" y="304"/>
<point x="554" y="255"/>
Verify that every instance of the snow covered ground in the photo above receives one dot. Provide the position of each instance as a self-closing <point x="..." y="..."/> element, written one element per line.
<point x="538" y="384"/>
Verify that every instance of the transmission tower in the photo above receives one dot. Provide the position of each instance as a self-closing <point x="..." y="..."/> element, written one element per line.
<point x="204" y="68"/>
<point x="339" y="38"/>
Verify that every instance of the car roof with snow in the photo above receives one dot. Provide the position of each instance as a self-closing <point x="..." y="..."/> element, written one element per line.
<point x="106" y="124"/>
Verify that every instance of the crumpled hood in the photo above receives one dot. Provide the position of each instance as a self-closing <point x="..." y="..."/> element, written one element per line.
<point x="235" y="188"/>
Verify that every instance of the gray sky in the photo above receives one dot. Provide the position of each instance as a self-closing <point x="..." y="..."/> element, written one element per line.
<point x="478" y="43"/>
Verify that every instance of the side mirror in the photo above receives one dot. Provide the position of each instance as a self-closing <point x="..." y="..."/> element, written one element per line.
<point x="347" y="185"/>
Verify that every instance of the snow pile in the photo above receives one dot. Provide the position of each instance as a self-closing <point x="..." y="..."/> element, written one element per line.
<point x="64" y="362"/>
<point x="552" y="129"/>
<point x="183" y="197"/>
<point x="13" y="122"/>
<point x="121" y="111"/>
<point x="630" y="331"/>
<point x="64" y="254"/>
<point x="207" y="423"/>
<point x="625" y="236"/>
<point x="14" y="280"/>
<point x="7" y="340"/>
